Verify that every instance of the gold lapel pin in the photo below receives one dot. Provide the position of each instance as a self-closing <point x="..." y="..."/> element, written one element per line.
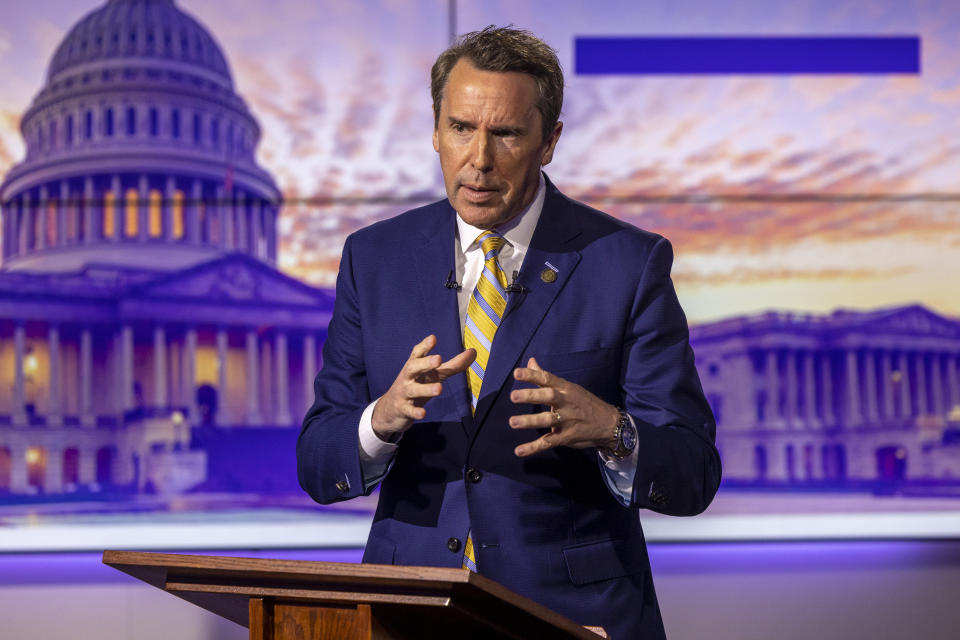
<point x="548" y="275"/>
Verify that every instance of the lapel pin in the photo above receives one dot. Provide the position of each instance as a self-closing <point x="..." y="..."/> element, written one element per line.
<point x="549" y="274"/>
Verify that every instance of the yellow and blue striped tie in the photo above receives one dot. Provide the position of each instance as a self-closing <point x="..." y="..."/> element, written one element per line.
<point x="469" y="557"/>
<point x="484" y="313"/>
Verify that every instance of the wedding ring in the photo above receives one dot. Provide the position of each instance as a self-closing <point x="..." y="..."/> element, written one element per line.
<point x="556" y="414"/>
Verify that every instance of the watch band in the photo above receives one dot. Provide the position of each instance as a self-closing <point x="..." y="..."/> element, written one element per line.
<point x="625" y="438"/>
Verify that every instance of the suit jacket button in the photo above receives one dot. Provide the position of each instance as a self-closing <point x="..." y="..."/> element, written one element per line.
<point x="453" y="544"/>
<point x="343" y="486"/>
<point x="473" y="475"/>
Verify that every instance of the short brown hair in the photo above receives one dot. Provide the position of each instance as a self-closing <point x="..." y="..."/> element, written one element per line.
<point x="505" y="49"/>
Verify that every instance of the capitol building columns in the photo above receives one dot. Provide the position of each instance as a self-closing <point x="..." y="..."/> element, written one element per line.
<point x="791" y="391"/>
<point x="889" y="385"/>
<point x="23" y="223"/>
<point x="189" y="373"/>
<point x="222" y="346"/>
<point x="160" y="397"/>
<point x="60" y="236"/>
<point x="920" y="375"/>
<point x="118" y="209"/>
<point x="810" y="390"/>
<point x="256" y="226"/>
<point x="93" y="208"/>
<point x="169" y="202"/>
<point x="225" y="217"/>
<point x="193" y="212"/>
<point x="19" y="414"/>
<point x="282" y="403"/>
<point x="86" y="377"/>
<point x="826" y="385"/>
<point x="126" y="368"/>
<point x="936" y="384"/>
<point x="953" y="380"/>
<point x="853" y="415"/>
<point x="252" y="377"/>
<point x="54" y="405"/>
<point x="903" y="371"/>
<point x="773" y="418"/>
<point x="143" y="207"/>
<point x="870" y="384"/>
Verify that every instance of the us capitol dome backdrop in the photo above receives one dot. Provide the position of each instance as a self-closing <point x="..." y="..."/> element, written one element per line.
<point x="147" y="341"/>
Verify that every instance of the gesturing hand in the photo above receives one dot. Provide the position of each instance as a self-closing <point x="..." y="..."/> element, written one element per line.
<point x="577" y="419"/>
<point x="419" y="380"/>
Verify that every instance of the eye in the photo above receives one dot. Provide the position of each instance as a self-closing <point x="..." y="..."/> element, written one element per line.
<point x="459" y="127"/>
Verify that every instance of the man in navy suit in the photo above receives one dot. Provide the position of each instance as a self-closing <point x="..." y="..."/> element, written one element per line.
<point x="589" y="407"/>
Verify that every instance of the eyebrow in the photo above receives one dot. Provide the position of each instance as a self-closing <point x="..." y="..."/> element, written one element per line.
<point x="501" y="130"/>
<point x="462" y="123"/>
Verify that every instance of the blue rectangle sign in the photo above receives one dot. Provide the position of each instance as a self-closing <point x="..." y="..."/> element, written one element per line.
<point x="773" y="55"/>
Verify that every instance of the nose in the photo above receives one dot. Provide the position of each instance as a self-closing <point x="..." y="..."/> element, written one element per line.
<point x="482" y="153"/>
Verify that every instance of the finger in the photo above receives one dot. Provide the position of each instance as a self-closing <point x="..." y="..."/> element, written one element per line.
<point x="457" y="364"/>
<point x="538" y="377"/>
<point x="413" y="412"/>
<point x="539" y="395"/>
<point x="424" y="347"/>
<point x="542" y="420"/>
<point x="419" y="366"/>
<point x="416" y="390"/>
<point x="544" y="442"/>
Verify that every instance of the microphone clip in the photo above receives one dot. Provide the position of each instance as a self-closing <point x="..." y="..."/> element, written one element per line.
<point x="451" y="283"/>
<point x="516" y="287"/>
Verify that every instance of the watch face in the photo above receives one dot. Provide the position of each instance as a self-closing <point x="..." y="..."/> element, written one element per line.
<point x="628" y="436"/>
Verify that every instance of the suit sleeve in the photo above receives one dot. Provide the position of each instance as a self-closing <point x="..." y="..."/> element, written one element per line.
<point x="328" y="460"/>
<point x="678" y="467"/>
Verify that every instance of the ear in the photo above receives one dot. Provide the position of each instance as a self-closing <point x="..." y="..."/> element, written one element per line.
<point x="551" y="145"/>
<point x="436" y="139"/>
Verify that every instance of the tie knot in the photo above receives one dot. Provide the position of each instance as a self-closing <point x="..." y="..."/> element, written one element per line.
<point x="491" y="243"/>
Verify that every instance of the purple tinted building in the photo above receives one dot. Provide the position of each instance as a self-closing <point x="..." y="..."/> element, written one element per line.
<point x="140" y="305"/>
<point x="850" y="398"/>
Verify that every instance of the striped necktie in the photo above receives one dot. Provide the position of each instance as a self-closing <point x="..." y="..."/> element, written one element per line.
<point x="484" y="311"/>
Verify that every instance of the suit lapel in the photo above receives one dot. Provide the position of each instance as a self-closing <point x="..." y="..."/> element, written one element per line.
<point x="549" y="250"/>
<point x="434" y="259"/>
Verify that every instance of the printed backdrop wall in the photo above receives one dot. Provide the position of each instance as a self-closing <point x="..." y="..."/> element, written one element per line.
<point x="178" y="179"/>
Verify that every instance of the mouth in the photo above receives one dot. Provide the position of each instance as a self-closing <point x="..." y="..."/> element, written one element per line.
<point x="477" y="193"/>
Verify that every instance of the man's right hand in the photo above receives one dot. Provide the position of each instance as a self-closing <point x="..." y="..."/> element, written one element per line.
<point x="418" y="381"/>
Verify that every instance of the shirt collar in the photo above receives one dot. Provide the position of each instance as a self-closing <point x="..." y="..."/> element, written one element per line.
<point x="518" y="231"/>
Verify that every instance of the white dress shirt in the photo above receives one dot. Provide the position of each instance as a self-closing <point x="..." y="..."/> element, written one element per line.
<point x="376" y="455"/>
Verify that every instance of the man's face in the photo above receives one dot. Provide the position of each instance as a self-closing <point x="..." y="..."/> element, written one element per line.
<point x="490" y="142"/>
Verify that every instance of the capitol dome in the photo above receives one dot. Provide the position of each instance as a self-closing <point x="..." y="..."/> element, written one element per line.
<point x="139" y="152"/>
<point x="124" y="29"/>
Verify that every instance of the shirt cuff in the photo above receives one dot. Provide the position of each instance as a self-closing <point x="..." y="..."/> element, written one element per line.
<point x="375" y="454"/>
<point x="619" y="474"/>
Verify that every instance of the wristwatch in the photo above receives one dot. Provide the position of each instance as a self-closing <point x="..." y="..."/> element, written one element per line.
<point x="625" y="435"/>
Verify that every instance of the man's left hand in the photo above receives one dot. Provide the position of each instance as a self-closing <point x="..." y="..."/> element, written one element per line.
<point x="577" y="418"/>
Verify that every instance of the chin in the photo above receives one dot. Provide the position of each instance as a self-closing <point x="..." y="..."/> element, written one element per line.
<point x="481" y="217"/>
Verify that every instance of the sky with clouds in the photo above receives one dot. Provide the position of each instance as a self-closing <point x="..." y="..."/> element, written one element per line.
<point x="341" y="92"/>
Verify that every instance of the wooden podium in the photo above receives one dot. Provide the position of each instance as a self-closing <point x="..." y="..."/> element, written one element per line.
<point x="289" y="599"/>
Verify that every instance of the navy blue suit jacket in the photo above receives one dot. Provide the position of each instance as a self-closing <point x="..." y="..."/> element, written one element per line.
<point x="547" y="526"/>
